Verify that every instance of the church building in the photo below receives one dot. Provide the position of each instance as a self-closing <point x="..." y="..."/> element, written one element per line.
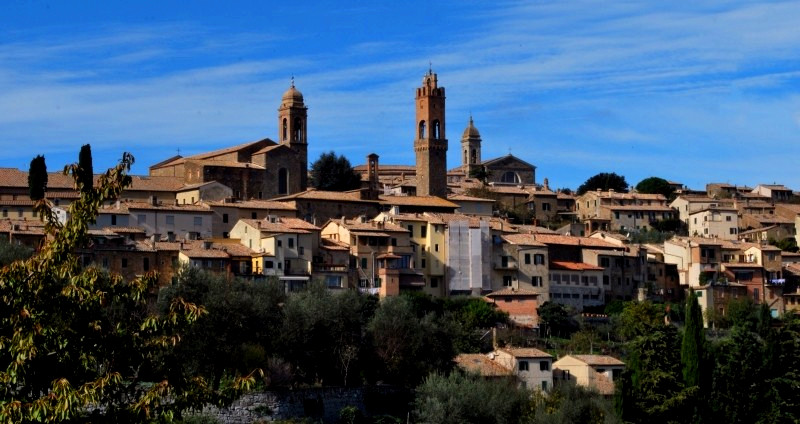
<point x="260" y="169"/>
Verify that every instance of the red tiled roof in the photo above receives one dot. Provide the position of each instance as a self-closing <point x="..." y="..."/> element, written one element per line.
<point x="523" y="239"/>
<point x="513" y="292"/>
<point x="598" y="360"/>
<point x="526" y="352"/>
<point x="481" y="364"/>
<point x="574" y="266"/>
<point x="253" y="204"/>
<point x="431" y="201"/>
<point x="574" y="241"/>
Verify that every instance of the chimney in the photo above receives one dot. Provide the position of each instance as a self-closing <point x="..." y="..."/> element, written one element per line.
<point x="176" y="202"/>
<point x="116" y="204"/>
<point x="546" y="184"/>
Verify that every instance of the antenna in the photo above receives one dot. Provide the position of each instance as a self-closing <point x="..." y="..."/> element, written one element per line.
<point x="292" y="80"/>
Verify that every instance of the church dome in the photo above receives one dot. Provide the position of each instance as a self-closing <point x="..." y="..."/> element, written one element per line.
<point x="471" y="131"/>
<point x="293" y="95"/>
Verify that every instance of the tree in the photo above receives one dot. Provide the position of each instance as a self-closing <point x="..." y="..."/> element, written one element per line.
<point x="332" y="172"/>
<point x="85" y="169"/>
<point x="463" y="398"/>
<point x="77" y="341"/>
<point x="692" y="347"/>
<point x="37" y="178"/>
<point x="553" y="316"/>
<point x="13" y="252"/>
<point x="656" y="185"/>
<point x="481" y="174"/>
<point x="408" y="348"/>
<point x="604" y="181"/>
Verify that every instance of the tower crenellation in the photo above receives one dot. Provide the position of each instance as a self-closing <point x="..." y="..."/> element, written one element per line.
<point x="430" y="145"/>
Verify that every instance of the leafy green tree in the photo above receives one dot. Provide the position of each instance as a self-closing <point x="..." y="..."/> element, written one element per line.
<point x="10" y="252"/>
<point x="481" y="174"/>
<point x="553" y="317"/>
<point x="789" y="244"/>
<point x="738" y="392"/>
<point x="604" y="181"/>
<point x="570" y="403"/>
<point x="463" y="398"/>
<point x="238" y="332"/>
<point x="656" y="185"/>
<point x="85" y="169"/>
<point x="693" y="345"/>
<point x="637" y="319"/>
<point x="408" y="348"/>
<point x="334" y="173"/>
<point x="324" y="334"/>
<point x="37" y="178"/>
<point x="77" y="342"/>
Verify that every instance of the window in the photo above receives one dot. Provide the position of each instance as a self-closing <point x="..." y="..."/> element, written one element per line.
<point x="198" y="221"/>
<point x="523" y="365"/>
<point x="504" y="261"/>
<point x="124" y="262"/>
<point x="536" y="281"/>
<point x="545" y="206"/>
<point x="527" y="259"/>
<point x="253" y="215"/>
<point x="113" y="220"/>
<point x="363" y="263"/>
<point x="421" y="129"/>
<point x="434" y="282"/>
<point x="544" y="365"/>
<point x="280" y="243"/>
<point x="606" y="280"/>
<point x="538" y="259"/>
<point x="423" y="262"/>
<point x="727" y="217"/>
<point x="506" y="281"/>
<point x="142" y="218"/>
<point x="225" y="218"/>
<point x="423" y="231"/>
<point x="300" y="249"/>
<point x="394" y="241"/>
<point x="510" y="177"/>
<point x="170" y="219"/>
<point x="146" y="264"/>
<point x="411" y="230"/>
<point x="435" y="247"/>
<point x="291" y="243"/>
<point x="105" y="262"/>
<point x="604" y="262"/>
<point x="732" y="230"/>
<point x="5" y="213"/>
<point x="268" y="264"/>
<point x="283" y="181"/>
<point x="225" y="234"/>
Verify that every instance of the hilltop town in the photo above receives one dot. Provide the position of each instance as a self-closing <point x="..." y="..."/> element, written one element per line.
<point x="248" y="211"/>
<point x="485" y="229"/>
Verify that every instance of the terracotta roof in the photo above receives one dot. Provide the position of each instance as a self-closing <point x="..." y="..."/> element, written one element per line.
<point x="767" y="218"/>
<point x="512" y="292"/>
<point x="166" y="207"/>
<point x="740" y="265"/>
<point x="695" y="241"/>
<point x="412" y="169"/>
<point x="533" y="229"/>
<point x="195" y="186"/>
<point x="166" y="245"/>
<point x="795" y="208"/>
<point x="329" y="244"/>
<point x="780" y="187"/>
<point x="465" y="198"/>
<point x="431" y="201"/>
<point x="314" y="194"/>
<point x="509" y="190"/>
<point x="714" y="208"/>
<point x="269" y="149"/>
<point x="658" y="208"/>
<point x="231" y="149"/>
<point x="481" y="364"/>
<point x="20" y="202"/>
<point x="757" y="230"/>
<point x="125" y="230"/>
<point x="253" y="204"/>
<point x="229" y="164"/>
<point x="523" y="239"/>
<point x="369" y="226"/>
<point x="474" y="221"/>
<point x="565" y="196"/>
<point x="153" y="183"/>
<point x="602" y="384"/>
<point x="526" y="352"/>
<point x="627" y="196"/>
<point x="598" y="360"/>
<point x="281" y="225"/>
<point x="574" y="241"/>
<point x="574" y="266"/>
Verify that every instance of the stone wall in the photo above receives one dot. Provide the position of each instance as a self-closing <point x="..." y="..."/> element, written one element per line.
<point x="316" y="403"/>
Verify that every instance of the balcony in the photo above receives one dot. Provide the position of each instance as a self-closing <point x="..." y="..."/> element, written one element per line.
<point x="329" y="268"/>
<point x="508" y="266"/>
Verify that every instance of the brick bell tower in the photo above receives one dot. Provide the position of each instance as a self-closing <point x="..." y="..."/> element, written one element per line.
<point x="292" y="120"/>
<point x="430" y="145"/>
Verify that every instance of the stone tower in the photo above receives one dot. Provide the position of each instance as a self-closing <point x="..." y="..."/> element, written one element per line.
<point x="430" y="145"/>
<point x="292" y="120"/>
<point x="470" y="149"/>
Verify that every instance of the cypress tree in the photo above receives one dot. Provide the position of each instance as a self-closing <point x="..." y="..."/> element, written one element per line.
<point x="693" y="342"/>
<point x="85" y="169"/>
<point x="37" y="178"/>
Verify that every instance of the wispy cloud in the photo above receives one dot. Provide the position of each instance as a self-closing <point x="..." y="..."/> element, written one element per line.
<point x="640" y="87"/>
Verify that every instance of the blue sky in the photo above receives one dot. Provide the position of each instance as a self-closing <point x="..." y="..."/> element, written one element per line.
<point x="693" y="93"/>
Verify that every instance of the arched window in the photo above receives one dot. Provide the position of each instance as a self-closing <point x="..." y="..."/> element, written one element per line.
<point x="465" y="156"/>
<point x="421" y="129"/>
<point x="435" y="129"/>
<point x="285" y="129"/>
<point x="510" y="177"/>
<point x="298" y="130"/>
<point x="474" y="156"/>
<point x="283" y="181"/>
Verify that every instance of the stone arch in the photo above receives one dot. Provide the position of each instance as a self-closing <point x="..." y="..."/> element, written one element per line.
<point x="421" y="129"/>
